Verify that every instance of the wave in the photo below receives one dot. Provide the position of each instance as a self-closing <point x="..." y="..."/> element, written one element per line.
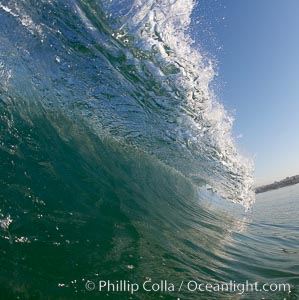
<point x="117" y="159"/>
<point x="202" y="126"/>
<point x="75" y="207"/>
<point x="131" y="70"/>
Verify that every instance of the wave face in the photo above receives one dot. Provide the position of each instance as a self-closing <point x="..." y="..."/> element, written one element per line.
<point x="130" y="71"/>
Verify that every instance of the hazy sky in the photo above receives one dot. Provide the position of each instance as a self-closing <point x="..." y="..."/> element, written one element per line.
<point x="257" y="45"/>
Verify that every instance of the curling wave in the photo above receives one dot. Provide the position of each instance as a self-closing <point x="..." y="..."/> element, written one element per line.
<point x="116" y="155"/>
<point x="132" y="71"/>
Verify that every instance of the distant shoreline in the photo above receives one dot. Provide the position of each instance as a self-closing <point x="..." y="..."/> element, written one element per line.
<point x="278" y="184"/>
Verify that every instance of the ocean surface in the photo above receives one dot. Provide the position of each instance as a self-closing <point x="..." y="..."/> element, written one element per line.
<point x="117" y="161"/>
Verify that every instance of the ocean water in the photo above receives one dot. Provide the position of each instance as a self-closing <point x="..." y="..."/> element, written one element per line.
<point x="118" y="162"/>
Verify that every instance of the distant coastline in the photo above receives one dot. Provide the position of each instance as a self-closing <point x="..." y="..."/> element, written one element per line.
<point x="277" y="184"/>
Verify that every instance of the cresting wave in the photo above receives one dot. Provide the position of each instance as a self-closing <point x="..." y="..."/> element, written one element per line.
<point x="160" y="27"/>
<point x="109" y="137"/>
<point x="130" y="70"/>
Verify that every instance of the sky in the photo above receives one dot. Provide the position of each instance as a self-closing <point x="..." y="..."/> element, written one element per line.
<point x="256" y="45"/>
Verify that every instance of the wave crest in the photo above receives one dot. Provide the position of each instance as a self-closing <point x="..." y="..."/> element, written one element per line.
<point x="204" y="128"/>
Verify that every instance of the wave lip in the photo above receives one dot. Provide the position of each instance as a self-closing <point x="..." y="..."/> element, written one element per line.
<point x="203" y="126"/>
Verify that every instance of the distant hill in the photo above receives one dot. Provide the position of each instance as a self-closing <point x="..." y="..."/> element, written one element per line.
<point x="278" y="184"/>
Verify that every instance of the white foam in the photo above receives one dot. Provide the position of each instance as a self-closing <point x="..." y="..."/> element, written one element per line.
<point x="5" y="222"/>
<point x="20" y="14"/>
<point x="162" y="25"/>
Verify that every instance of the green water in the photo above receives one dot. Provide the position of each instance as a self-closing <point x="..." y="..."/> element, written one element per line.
<point x="76" y="208"/>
